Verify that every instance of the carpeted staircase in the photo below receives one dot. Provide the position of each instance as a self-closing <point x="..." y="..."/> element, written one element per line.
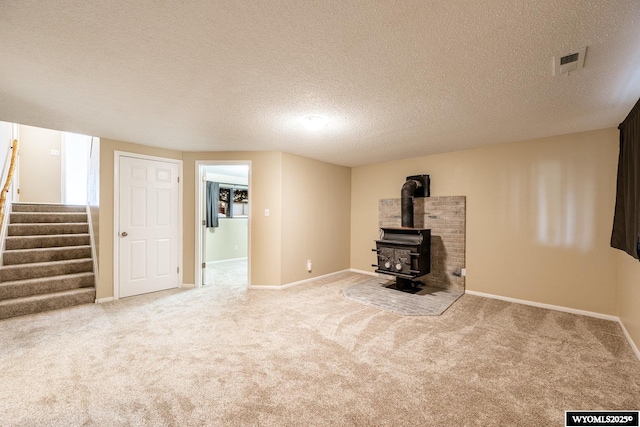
<point x="47" y="260"/>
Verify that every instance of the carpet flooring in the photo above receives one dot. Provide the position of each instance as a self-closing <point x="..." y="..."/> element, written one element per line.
<point x="307" y="356"/>
<point x="231" y="273"/>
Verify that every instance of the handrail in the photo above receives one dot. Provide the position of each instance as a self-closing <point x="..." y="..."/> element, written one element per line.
<point x="7" y="184"/>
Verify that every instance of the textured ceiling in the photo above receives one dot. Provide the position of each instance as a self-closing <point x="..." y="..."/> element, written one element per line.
<point x="395" y="79"/>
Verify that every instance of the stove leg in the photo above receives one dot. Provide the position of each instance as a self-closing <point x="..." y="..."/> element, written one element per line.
<point x="403" y="283"/>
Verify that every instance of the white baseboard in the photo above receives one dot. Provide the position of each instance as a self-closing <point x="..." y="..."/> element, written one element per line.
<point x="266" y="287"/>
<point x="300" y="282"/>
<point x="547" y="306"/>
<point x="633" y="345"/>
<point x="225" y="260"/>
<point x="566" y="310"/>
<point x="101" y="300"/>
<point x="188" y="285"/>
<point x="368" y="273"/>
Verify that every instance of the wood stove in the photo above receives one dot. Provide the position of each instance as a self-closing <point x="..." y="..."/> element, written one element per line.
<point x="405" y="252"/>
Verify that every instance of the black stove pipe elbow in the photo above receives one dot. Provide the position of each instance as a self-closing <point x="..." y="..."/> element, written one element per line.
<point x="406" y="199"/>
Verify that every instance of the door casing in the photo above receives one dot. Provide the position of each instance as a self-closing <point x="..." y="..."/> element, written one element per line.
<point x="199" y="217"/>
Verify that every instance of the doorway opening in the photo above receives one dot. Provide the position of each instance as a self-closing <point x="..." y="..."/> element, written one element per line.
<point x="223" y="224"/>
<point x="75" y="167"/>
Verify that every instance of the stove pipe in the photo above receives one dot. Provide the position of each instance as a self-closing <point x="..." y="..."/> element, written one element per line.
<point x="415" y="186"/>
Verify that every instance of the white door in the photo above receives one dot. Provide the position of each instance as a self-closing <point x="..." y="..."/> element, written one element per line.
<point x="148" y="226"/>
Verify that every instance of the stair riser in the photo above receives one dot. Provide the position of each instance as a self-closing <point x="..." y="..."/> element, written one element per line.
<point x="30" y="242"/>
<point x="45" y="229"/>
<point x="15" y="308"/>
<point x="45" y="255"/>
<point x="29" y="271"/>
<point x="19" y="207"/>
<point x="39" y="217"/>
<point x="39" y="286"/>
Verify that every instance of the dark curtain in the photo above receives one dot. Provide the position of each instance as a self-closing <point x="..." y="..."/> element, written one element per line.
<point x="213" y="197"/>
<point x="626" y="221"/>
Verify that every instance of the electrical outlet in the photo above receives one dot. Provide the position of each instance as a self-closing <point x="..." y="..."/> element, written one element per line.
<point x="463" y="272"/>
<point x="235" y="248"/>
<point x="266" y="212"/>
<point x="309" y="265"/>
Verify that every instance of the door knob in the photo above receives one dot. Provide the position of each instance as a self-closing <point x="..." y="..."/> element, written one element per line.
<point x="124" y="234"/>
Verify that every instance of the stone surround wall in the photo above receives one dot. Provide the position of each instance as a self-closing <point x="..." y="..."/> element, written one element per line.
<point x="446" y="217"/>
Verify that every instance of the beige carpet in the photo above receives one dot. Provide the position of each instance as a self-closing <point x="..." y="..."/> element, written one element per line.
<point x="307" y="356"/>
<point x="231" y="273"/>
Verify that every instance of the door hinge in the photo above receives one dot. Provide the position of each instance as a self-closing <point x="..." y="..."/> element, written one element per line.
<point x="204" y="222"/>
<point x="204" y="265"/>
<point x="178" y="179"/>
<point x="18" y="191"/>
<point x="178" y="269"/>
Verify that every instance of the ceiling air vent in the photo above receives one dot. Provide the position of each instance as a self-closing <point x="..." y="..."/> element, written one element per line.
<point x="573" y="61"/>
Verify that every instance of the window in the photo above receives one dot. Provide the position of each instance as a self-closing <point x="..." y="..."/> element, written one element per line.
<point x="233" y="202"/>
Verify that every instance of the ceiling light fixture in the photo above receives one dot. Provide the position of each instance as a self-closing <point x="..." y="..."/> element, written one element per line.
<point x="314" y="123"/>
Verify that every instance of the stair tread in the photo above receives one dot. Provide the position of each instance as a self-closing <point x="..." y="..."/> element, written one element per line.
<point x="45" y="279"/>
<point x="46" y="241"/>
<point x="47" y="228"/>
<point x="38" y="264"/>
<point x="29" y="224"/>
<point x="53" y="248"/>
<point x="45" y="204"/>
<point x="44" y="236"/>
<point x="46" y="207"/>
<point x="48" y="213"/>
<point x="49" y="295"/>
<point x="46" y="285"/>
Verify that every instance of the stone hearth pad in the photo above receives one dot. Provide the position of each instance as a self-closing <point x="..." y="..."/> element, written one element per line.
<point x="429" y="301"/>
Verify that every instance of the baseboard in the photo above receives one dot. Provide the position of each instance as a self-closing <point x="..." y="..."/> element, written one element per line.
<point x="633" y="345"/>
<point x="188" y="285"/>
<point x="300" y="282"/>
<point x="547" y="306"/>
<point x="566" y="310"/>
<point x="225" y="260"/>
<point x="368" y="273"/>
<point x="101" y="300"/>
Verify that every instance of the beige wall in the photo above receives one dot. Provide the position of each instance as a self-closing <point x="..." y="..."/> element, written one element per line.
<point x="227" y="241"/>
<point x="325" y="186"/>
<point x="539" y="215"/>
<point x="265" y="232"/>
<point x="104" y="289"/>
<point x="40" y="172"/>
<point x="629" y="295"/>
<point x="316" y="204"/>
